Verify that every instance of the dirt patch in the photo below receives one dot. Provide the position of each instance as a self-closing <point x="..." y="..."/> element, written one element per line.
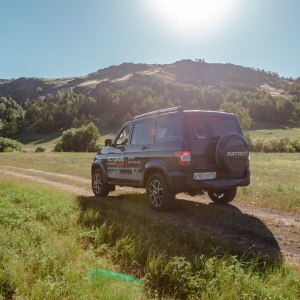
<point x="274" y="91"/>
<point x="269" y="233"/>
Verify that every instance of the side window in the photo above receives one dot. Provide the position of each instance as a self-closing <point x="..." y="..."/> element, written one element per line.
<point x="168" y="129"/>
<point x="123" y="136"/>
<point x="141" y="133"/>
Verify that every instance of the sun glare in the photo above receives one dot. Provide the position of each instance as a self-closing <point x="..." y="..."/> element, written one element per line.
<point x="194" y="15"/>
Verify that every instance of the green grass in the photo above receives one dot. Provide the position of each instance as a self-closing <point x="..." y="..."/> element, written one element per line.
<point x="269" y="134"/>
<point x="275" y="181"/>
<point x="50" y="241"/>
<point x="274" y="176"/>
<point x="41" y="253"/>
<point x="78" y="164"/>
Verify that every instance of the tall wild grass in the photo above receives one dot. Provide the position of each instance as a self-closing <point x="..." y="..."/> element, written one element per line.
<point x="50" y="242"/>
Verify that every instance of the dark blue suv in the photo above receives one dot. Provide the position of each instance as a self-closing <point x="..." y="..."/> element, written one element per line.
<point x="173" y="150"/>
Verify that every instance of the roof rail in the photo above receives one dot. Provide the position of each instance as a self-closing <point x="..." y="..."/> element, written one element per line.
<point x="158" y="112"/>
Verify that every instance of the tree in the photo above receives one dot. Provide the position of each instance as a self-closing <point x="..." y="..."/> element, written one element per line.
<point x="83" y="139"/>
<point x="240" y="111"/>
<point x="284" y="109"/>
<point x="11" y="116"/>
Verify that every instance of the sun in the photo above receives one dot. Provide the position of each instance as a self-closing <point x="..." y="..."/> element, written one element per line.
<point x="194" y="15"/>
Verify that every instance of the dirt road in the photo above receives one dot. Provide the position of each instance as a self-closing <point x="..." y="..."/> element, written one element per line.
<point x="269" y="233"/>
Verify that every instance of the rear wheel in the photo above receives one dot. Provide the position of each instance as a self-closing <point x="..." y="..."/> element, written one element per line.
<point x="99" y="186"/>
<point x="222" y="196"/>
<point x="158" y="193"/>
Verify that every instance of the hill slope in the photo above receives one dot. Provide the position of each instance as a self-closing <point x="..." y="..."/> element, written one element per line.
<point x="127" y="74"/>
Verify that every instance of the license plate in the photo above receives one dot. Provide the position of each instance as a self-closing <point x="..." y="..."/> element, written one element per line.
<point x="205" y="175"/>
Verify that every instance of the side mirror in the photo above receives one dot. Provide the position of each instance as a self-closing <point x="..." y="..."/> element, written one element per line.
<point x="108" y="142"/>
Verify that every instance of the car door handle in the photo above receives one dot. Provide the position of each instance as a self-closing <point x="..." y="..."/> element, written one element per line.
<point x="144" y="148"/>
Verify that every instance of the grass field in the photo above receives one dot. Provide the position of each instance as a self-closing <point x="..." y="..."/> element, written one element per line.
<point x="78" y="164"/>
<point x="42" y="253"/>
<point x="53" y="243"/>
<point x="269" y="134"/>
<point x="274" y="184"/>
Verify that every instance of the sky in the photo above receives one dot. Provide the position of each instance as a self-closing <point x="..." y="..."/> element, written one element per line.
<point x="71" y="38"/>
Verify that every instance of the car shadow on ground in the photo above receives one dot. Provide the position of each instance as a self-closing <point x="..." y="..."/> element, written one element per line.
<point x="230" y="223"/>
<point x="225" y="222"/>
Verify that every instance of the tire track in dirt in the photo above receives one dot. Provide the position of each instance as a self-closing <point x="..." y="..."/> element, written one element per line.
<point x="65" y="182"/>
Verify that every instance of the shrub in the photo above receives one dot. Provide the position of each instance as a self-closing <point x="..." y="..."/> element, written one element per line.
<point x="289" y="148"/>
<point x="284" y="145"/>
<point x="296" y="144"/>
<point x="40" y="149"/>
<point x="9" y="145"/>
<point x="249" y="140"/>
<point x="275" y="145"/>
<point x="83" y="139"/>
<point x="268" y="147"/>
<point x="258" y="146"/>
<point x="8" y="149"/>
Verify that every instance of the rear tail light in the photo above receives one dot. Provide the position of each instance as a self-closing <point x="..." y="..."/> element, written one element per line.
<point x="184" y="157"/>
<point x="248" y="160"/>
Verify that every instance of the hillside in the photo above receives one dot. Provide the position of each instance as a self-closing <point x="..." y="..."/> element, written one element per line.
<point x="111" y="96"/>
<point x="129" y="74"/>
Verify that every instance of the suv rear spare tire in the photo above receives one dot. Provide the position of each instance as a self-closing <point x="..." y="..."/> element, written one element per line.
<point x="232" y="153"/>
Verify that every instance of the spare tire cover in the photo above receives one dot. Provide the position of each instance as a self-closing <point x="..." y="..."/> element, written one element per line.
<point x="232" y="153"/>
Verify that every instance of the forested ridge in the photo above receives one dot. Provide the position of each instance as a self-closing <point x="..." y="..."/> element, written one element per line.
<point x="182" y="84"/>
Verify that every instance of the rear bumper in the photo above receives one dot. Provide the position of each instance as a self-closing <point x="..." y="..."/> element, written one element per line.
<point x="223" y="183"/>
<point x="184" y="182"/>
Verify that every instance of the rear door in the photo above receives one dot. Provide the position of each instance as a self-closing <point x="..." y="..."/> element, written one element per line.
<point x="206" y="131"/>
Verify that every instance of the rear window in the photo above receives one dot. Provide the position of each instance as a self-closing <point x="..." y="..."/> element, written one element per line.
<point x="213" y="126"/>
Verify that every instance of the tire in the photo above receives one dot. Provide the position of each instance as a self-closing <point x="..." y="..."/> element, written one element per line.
<point x="222" y="196"/>
<point x="158" y="193"/>
<point x="99" y="186"/>
<point x="232" y="152"/>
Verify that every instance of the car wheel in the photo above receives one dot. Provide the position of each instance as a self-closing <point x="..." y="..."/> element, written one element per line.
<point x="99" y="186"/>
<point x="158" y="193"/>
<point x="222" y="196"/>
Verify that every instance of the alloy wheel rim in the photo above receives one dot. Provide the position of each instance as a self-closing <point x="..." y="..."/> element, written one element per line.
<point x="156" y="193"/>
<point x="97" y="183"/>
